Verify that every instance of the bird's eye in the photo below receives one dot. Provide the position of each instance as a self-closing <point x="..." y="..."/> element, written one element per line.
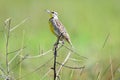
<point x="52" y="12"/>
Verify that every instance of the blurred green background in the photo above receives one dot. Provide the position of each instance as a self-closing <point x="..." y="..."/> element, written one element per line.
<point x="88" y="23"/>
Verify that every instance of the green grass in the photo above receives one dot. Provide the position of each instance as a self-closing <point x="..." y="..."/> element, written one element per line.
<point x="87" y="21"/>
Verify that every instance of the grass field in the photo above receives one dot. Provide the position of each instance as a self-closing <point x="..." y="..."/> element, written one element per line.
<point x="94" y="28"/>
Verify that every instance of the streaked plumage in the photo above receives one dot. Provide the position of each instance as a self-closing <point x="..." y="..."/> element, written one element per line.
<point x="57" y="27"/>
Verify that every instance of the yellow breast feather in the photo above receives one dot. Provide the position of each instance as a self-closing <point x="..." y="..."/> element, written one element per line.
<point x="51" y="28"/>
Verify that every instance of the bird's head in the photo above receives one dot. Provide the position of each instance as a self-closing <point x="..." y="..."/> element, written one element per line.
<point x="52" y="13"/>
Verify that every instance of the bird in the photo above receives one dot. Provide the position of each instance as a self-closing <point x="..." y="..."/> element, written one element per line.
<point x="57" y="28"/>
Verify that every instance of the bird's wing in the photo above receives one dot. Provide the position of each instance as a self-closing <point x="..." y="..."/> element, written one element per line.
<point x="62" y="30"/>
<point x="60" y="26"/>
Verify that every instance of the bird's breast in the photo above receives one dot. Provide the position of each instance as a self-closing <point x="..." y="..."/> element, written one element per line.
<point x="51" y="28"/>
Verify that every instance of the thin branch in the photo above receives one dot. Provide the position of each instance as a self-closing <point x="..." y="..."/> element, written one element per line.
<point x="15" y="56"/>
<point x="23" y="58"/>
<point x="76" y="60"/>
<point x="16" y="50"/>
<point x="1" y="69"/>
<point x="23" y="21"/>
<point x="7" y="23"/>
<point x="74" y="52"/>
<point x="66" y="59"/>
<point x="43" y="54"/>
<point x="55" y="56"/>
<point x="3" y="77"/>
<point x="40" y="66"/>
<point x="70" y="66"/>
<point x="30" y="57"/>
<point x="81" y="71"/>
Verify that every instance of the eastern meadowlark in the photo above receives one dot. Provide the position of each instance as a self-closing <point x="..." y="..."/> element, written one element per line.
<point x="57" y="28"/>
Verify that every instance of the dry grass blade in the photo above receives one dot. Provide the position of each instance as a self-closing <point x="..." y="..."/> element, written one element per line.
<point x="71" y="67"/>
<point x="106" y="40"/>
<point x="2" y="69"/>
<point x="75" y="52"/>
<point x="31" y="57"/>
<point x="23" y="58"/>
<point x="38" y="68"/>
<point x="20" y="58"/>
<point x="15" y="56"/>
<point x="46" y="74"/>
<point x="105" y="71"/>
<point x="71" y="74"/>
<point x="75" y="60"/>
<point x="16" y="50"/>
<point x="111" y="69"/>
<point x="66" y="59"/>
<point x="98" y="76"/>
<point x="116" y="69"/>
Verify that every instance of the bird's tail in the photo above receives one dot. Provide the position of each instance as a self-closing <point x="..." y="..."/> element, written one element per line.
<point x="69" y="41"/>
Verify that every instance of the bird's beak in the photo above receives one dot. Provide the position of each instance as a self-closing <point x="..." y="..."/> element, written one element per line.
<point x="48" y="11"/>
